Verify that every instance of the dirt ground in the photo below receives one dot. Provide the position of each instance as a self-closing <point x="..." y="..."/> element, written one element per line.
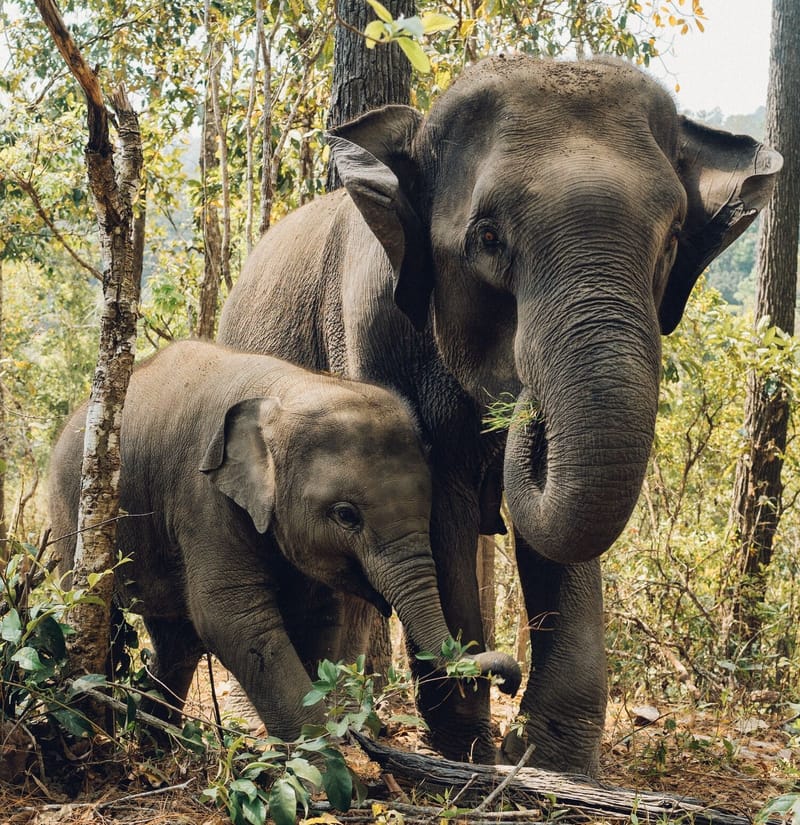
<point x="735" y="761"/>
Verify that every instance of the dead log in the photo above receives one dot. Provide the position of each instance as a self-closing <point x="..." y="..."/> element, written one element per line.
<point x="533" y="788"/>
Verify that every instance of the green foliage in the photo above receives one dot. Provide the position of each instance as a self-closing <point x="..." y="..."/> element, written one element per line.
<point x="407" y="32"/>
<point x="33" y="650"/>
<point x="785" y="808"/>
<point x="673" y="577"/>
<point x="271" y="778"/>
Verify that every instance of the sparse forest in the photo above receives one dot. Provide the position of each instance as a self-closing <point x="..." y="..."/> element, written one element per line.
<point x="232" y="100"/>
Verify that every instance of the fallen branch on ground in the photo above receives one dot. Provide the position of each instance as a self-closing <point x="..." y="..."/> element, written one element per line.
<point x="535" y="788"/>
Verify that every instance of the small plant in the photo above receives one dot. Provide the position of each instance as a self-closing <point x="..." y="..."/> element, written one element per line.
<point x="33" y="648"/>
<point x="271" y="778"/>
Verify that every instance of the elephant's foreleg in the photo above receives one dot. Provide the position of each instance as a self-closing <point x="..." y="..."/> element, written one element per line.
<point x="565" y="700"/>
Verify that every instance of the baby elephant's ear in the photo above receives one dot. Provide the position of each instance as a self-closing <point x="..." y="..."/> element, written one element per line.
<point x="238" y="459"/>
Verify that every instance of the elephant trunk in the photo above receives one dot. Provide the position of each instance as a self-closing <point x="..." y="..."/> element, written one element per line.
<point x="583" y="427"/>
<point x="407" y="579"/>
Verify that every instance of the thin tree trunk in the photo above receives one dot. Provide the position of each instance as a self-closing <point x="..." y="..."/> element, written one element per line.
<point x="758" y="488"/>
<point x="486" y="588"/>
<point x="306" y="159"/>
<point x="114" y="192"/>
<point x="249" y="130"/>
<point x="267" y="190"/>
<point x="4" y="554"/>
<point x="363" y="78"/>
<point x="213" y="252"/>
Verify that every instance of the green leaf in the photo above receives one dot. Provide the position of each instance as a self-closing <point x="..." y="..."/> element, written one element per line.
<point x="50" y="636"/>
<point x="11" y="627"/>
<point x="328" y="672"/>
<point x="283" y="803"/>
<point x="255" y="810"/>
<point x="84" y="683"/>
<point x="413" y="51"/>
<point x="338" y="782"/>
<point x="434" y="22"/>
<point x="381" y="11"/>
<point x="314" y="696"/>
<point x="424" y="656"/>
<point x="244" y="786"/>
<point x="303" y="769"/>
<point x="28" y="659"/>
<point x="72" y="722"/>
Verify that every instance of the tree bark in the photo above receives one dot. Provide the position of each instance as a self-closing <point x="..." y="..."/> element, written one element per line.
<point x="486" y="588"/>
<point x="758" y="488"/>
<point x="213" y="251"/>
<point x="363" y="78"/>
<point x="522" y="787"/>
<point x="4" y="552"/>
<point x="114" y="192"/>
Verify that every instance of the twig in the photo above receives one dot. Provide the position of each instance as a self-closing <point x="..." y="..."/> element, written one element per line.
<point x="505" y="783"/>
<point x="99" y="524"/>
<point x="215" y="701"/>
<point x="28" y="188"/>
<point x="109" y="803"/>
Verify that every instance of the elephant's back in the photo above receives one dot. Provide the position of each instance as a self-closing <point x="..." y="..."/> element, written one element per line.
<point x="277" y="302"/>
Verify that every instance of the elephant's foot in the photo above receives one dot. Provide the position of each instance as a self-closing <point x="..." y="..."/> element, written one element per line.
<point x="559" y="744"/>
<point x="458" y="720"/>
<point x="481" y="750"/>
<point x="236" y="705"/>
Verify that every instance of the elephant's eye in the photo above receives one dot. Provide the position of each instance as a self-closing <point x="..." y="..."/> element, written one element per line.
<point x="346" y="515"/>
<point x="490" y="237"/>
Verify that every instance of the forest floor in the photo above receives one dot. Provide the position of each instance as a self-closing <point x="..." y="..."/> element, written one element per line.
<point x="730" y="760"/>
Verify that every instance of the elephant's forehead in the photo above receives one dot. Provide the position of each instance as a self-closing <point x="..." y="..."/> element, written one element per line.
<point x="356" y="428"/>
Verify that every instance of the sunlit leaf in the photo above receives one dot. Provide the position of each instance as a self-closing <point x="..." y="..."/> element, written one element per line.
<point x="381" y="11"/>
<point x="413" y="51"/>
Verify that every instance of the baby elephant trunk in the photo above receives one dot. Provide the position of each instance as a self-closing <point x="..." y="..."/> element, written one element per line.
<point x="409" y="584"/>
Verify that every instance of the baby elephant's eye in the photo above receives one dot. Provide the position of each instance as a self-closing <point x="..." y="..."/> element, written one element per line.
<point x="346" y="515"/>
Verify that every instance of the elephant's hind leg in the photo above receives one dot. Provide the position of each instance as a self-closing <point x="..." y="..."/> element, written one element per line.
<point x="177" y="650"/>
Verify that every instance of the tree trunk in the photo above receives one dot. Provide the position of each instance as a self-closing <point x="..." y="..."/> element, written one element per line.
<point x="114" y="192"/>
<point x="363" y="78"/>
<point x="486" y="588"/>
<point x="4" y="551"/>
<point x="758" y="487"/>
<point x="213" y="251"/>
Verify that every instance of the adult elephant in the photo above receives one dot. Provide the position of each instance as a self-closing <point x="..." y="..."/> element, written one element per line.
<point x="535" y="234"/>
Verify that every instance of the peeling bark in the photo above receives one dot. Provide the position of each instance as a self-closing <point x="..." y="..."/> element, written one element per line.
<point x="115" y="191"/>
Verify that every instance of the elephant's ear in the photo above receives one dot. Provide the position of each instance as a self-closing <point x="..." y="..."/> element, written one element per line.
<point x="238" y="460"/>
<point x="728" y="179"/>
<point x="373" y="158"/>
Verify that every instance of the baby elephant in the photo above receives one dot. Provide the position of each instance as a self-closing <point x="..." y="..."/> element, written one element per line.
<point x="261" y="498"/>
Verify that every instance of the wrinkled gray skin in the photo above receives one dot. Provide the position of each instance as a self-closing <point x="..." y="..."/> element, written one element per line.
<point x="253" y="473"/>
<point x="536" y="234"/>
